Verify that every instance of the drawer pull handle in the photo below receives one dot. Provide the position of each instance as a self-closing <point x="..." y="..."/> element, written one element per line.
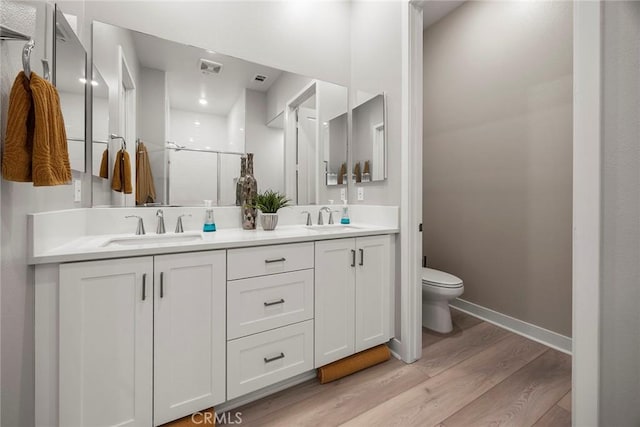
<point x="353" y="258"/>
<point x="271" y="261"/>
<point x="280" y="301"/>
<point x="361" y="256"/>
<point x="273" y="359"/>
<point x="144" y="286"/>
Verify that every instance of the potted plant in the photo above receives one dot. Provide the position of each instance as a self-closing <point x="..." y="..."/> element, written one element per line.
<point x="268" y="204"/>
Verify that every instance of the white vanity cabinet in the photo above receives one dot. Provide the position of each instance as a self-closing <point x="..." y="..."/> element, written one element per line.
<point x="189" y="333"/>
<point x="106" y="343"/>
<point x="142" y="340"/>
<point x="270" y="316"/>
<point x="353" y="295"/>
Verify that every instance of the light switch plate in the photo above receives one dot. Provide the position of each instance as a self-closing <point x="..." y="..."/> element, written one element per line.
<point x="77" y="190"/>
<point x="343" y="194"/>
<point x="360" y="193"/>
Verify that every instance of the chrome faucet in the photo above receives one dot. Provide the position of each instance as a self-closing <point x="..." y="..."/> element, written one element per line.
<point x="140" y="227"/>
<point x="179" y="228"/>
<point x="160" y="228"/>
<point x="308" y="217"/>
<point x="321" y="218"/>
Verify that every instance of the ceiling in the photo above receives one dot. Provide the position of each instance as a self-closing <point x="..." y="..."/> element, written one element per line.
<point x="435" y="10"/>
<point x="186" y="84"/>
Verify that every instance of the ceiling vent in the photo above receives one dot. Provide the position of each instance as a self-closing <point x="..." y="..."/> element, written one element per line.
<point x="209" y="67"/>
<point x="259" y="78"/>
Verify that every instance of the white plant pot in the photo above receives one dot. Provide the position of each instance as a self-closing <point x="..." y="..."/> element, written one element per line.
<point x="269" y="221"/>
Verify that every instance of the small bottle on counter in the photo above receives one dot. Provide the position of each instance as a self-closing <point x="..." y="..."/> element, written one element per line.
<point x="345" y="214"/>
<point x="209" y="220"/>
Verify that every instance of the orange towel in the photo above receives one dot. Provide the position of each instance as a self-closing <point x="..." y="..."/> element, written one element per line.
<point x="104" y="165"/>
<point x="16" y="158"/>
<point x="50" y="156"/>
<point x="121" y="181"/>
<point x="145" y="188"/>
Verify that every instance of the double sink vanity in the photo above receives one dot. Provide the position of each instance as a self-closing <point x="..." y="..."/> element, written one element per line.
<point x="143" y="330"/>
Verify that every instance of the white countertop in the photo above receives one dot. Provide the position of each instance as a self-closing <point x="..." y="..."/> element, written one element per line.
<point x="94" y="247"/>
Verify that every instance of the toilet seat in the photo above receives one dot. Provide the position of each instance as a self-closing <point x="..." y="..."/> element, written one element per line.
<point x="440" y="279"/>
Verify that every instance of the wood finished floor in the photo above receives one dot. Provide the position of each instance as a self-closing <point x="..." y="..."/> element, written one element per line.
<point x="478" y="375"/>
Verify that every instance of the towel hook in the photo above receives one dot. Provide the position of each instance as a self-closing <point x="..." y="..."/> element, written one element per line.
<point x="124" y="143"/>
<point x="26" y="57"/>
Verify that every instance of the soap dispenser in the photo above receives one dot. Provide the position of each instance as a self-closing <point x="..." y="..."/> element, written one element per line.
<point x="345" y="214"/>
<point x="209" y="220"/>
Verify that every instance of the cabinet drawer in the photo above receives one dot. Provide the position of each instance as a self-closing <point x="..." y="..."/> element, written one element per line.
<point x="261" y="260"/>
<point x="268" y="302"/>
<point x="263" y="359"/>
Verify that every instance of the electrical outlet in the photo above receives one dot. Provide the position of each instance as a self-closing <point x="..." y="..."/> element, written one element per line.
<point x="77" y="190"/>
<point x="343" y="194"/>
<point x="360" y="193"/>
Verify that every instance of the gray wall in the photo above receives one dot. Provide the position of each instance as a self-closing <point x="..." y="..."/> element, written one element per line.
<point x="620" y="295"/>
<point x="497" y="179"/>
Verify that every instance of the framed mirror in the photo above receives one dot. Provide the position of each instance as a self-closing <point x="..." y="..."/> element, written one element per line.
<point x="69" y="68"/>
<point x="197" y="112"/>
<point x="369" y="140"/>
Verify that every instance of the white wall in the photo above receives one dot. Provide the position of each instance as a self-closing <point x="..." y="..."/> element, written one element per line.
<point x="107" y="40"/>
<point x="18" y="199"/>
<point x="620" y="292"/>
<point x="282" y="91"/>
<point x="376" y="66"/>
<point x="212" y="133"/>
<point x="72" y="105"/>
<point x="152" y="124"/>
<point x="236" y="124"/>
<point x="266" y="143"/>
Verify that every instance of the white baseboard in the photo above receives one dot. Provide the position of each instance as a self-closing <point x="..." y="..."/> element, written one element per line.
<point x="527" y="330"/>
<point x="264" y="392"/>
<point x="395" y="347"/>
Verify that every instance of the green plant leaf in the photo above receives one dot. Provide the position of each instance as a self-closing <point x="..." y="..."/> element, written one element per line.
<point x="270" y="201"/>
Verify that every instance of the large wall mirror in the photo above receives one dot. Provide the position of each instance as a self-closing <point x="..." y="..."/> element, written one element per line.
<point x="188" y="115"/>
<point x="69" y="68"/>
<point x="369" y="140"/>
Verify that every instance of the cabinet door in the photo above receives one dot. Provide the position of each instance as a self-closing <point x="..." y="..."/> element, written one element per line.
<point x="106" y="347"/>
<point x="374" y="291"/>
<point x="335" y="277"/>
<point x="189" y="333"/>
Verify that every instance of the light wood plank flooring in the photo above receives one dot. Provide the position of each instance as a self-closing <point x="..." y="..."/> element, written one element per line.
<point x="478" y="375"/>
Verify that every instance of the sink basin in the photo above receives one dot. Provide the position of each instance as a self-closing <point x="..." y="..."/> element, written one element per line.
<point x="154" y="239"/>
<point x="332" y="228"/>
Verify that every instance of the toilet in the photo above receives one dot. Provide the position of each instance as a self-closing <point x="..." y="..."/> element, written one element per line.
<point x="438" y="289"/>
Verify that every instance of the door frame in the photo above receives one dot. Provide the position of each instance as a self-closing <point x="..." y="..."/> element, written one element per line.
<point x="126" y="115"/>
<point x="290" y="139"/>
<point x="587" y="200"/>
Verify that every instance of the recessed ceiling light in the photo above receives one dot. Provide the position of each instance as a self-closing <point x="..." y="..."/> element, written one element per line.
<point x="82" y="80"/>
<point x="190" y="139"/>
<point x="203" y="101"/>
<point x="197" y="123"/>
<point x="241" y="129"/>
<point x="207" y="148"/>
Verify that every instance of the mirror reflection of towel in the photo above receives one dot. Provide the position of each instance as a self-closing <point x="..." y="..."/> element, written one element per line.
<point x="145" y="188"/>
<point x="121" y="181"/>
<point x="104" y="165"/>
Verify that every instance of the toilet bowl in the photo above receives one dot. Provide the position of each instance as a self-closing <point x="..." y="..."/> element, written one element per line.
<point x="438" y="289"/>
